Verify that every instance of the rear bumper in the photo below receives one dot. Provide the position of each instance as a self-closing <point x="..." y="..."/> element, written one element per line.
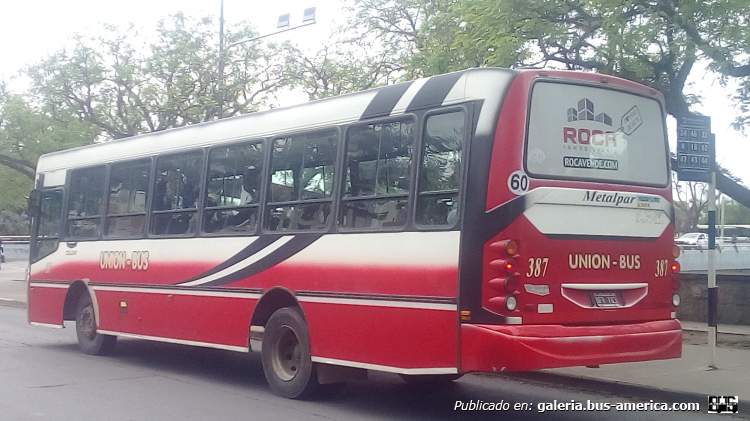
<point x="532" y="347"/>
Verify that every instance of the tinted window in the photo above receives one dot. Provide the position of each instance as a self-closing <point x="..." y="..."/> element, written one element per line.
<point x="86" y="202"/>
<point x="48" y="231"/>
<point x="126" y="209"/>
<point x="233" y="193"/>
<point x="378" y="175"/>
<point x="440" y="173"/>
<point x="301" y="184"/>
<point x="176" y="193"/>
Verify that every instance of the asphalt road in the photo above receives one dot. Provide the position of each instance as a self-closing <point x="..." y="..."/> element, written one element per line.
<point x="43" y="376"/>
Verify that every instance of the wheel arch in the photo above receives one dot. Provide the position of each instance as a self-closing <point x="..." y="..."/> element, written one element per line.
<point x="75" y="291"/>
<point x="273" y="299"/>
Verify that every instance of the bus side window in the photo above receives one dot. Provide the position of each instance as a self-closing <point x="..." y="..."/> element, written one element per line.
<point x="378" y="174"/>
<point x="126" y="209"/>
<point x="86" y="203"/>
<point x="233" y="194"/>
<point x="47" y="236"/>
<point x="174" y="208"/>
<point x="301" y="184"/>
<point x="441" y="168"/>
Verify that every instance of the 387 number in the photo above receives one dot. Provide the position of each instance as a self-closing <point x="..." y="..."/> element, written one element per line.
<point x="662" y="266"/>
<point x="537" y="267"/>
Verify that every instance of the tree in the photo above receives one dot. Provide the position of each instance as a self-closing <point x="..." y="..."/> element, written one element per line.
<point x="111" y="84"/>
<point x="736" y="214"/>
<point x="27" y="132"/>
<point x="691" y="202"/>
<point x="109" y="87"/>
<point x="337" y="68"/>
<point x="654" y="42"/>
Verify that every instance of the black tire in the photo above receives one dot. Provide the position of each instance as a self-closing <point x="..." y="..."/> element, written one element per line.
<point x="286" y="355"/>
<point x="89" y="340"/>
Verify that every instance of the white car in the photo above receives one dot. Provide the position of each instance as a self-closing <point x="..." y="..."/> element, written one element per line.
<point x="692" y="239"/>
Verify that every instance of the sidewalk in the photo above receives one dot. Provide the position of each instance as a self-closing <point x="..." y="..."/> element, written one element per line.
<point x="13" y="284"/>
<point x="687" y="379"/>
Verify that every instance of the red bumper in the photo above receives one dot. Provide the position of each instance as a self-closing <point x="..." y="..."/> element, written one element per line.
<point x="519" y="347"/>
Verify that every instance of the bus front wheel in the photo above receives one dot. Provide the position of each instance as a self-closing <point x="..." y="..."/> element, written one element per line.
<point x="286" y="355"/>
<point x="89" y="340"/>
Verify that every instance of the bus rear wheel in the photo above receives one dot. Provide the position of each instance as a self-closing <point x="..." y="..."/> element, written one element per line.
<point x="89" y="340"/>
<point x="286" y="358"/>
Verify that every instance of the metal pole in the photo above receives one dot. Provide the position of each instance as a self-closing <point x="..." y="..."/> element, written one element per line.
<point x="221" y="61"/>
<point x="722" y="200"/>
<point x="713" y="295"/>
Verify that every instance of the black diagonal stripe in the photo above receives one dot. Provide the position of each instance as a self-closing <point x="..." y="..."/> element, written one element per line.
<point x="292" y="247"/>
<point x="434" y="91"/>
<point x="254" y="247"/>
<point x="384" y="101"/>
<point x="499" y="218"/>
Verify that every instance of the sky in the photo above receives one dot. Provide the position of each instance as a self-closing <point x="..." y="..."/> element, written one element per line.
<point x="32" y="29"/>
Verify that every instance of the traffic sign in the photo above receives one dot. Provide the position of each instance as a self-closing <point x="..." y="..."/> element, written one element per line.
<point x="695" y="148"/>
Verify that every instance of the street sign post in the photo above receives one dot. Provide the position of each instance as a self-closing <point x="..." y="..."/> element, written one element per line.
<point x="695" y="148"/>
<point x="696" y="158"/>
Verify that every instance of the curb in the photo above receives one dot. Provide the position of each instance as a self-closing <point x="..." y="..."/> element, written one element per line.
<point x="615" y="387"/>
<point x="7" y="302"/>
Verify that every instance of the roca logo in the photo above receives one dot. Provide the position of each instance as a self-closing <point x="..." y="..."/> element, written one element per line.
<point x="585" y="136"/>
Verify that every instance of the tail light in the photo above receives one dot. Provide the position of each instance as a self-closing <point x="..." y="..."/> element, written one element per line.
<point x="510" y="284"/>
<point x="675" y="268"/>
<point x="504" y="269"/>
<point x="508" y="265"/>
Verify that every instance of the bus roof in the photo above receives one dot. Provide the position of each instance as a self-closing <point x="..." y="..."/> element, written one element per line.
<point x="486" y="84"/>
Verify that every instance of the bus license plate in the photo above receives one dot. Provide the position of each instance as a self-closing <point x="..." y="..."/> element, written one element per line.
<point x="606" y="299"/>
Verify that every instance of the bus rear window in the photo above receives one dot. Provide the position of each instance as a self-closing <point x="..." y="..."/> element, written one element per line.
<point x="598" y="134"/>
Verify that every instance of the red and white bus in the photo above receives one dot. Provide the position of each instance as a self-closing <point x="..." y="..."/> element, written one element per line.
<point x="484" y="220"/>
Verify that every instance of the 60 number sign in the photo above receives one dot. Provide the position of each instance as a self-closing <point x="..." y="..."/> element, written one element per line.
<point x="518" y="182"/>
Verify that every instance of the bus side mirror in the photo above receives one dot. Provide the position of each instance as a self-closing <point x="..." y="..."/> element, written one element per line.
<point x="35" y="203"/>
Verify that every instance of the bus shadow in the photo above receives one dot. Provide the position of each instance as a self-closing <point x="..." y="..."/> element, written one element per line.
<point x="382" y="395"/>
<point x="229" y="367"/>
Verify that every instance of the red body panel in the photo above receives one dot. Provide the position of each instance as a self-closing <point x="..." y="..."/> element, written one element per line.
<point x="47" y="304"/>
<point x="213" y="320"/>
<point x="657" y="305"/>
<point x="516" y="348"/>
<point x="395" y="337"/>
<point x="415" y="281"/>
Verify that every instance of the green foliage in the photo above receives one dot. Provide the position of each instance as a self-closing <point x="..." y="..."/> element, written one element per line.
<point x="654" y="42"/>
<point x="736" y="214"/>
<point x="26" y="132"/>
<point x="14" y="223"/>
<point x="111" y="84"/>
<point x="14" y="189"/>
<point x="336" y="69"/>
<point x="111" y="87"/>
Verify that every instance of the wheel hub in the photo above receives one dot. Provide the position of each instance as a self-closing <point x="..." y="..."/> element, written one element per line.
<point x="286" y="357"/>
<point x="88" y="327"/>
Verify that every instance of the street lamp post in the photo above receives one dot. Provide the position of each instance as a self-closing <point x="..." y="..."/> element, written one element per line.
<point x="308" y="18"/>
<point x="221" y="61"/>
